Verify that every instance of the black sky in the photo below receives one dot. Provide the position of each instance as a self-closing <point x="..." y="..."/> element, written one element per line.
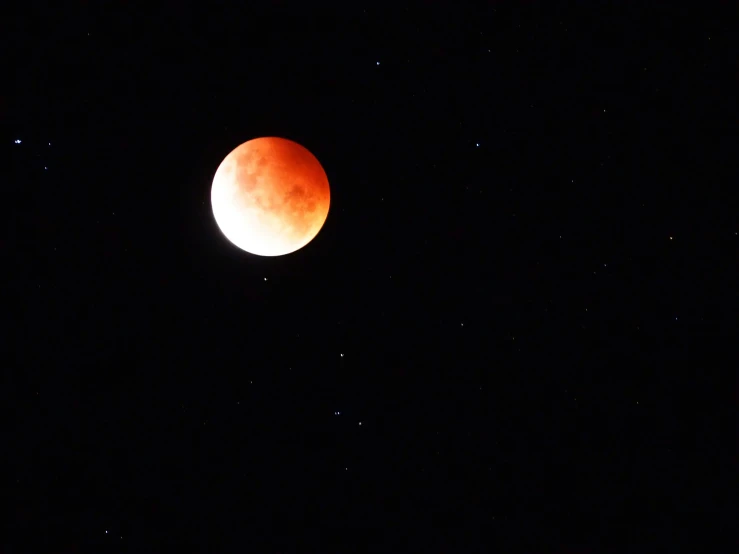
<point x="517" y="292"/>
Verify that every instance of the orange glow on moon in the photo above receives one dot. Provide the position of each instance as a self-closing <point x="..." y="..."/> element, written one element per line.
<point x="270" y="196"/>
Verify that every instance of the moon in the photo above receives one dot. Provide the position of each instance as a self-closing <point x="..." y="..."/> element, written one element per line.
<point x="270" y="196"/>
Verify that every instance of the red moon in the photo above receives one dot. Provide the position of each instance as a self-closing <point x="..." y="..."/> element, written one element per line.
<point x="270" y="196"/>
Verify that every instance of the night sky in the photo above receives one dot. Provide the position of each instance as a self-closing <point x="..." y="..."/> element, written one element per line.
<point x="502" y="338"/>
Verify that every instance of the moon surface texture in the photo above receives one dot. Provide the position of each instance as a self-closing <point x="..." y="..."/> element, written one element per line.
<point x="270" y="196"/>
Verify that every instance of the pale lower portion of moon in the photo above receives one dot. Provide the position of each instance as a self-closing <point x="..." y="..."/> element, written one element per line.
<point x="255" y="230"/>
<point x="270" y="197"/>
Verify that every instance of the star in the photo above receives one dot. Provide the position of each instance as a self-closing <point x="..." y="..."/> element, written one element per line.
<point x="378" y="63"/>
<point x="17" y="141"/>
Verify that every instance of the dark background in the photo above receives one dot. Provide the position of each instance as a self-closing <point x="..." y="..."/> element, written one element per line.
<point x="522" y="266"/>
